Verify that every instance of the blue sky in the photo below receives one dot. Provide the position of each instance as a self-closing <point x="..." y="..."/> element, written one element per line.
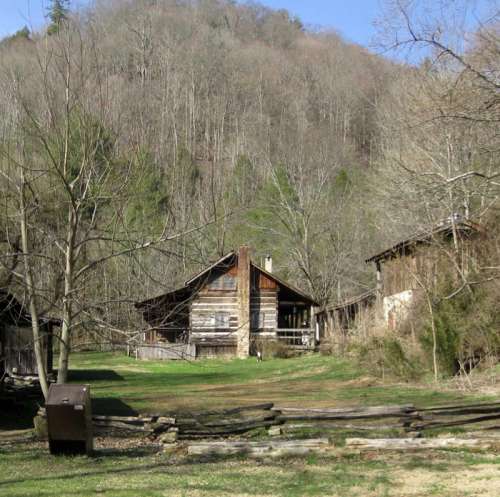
<point x="352" y="18"/>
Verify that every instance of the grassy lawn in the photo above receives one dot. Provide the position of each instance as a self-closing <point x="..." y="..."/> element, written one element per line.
<point x="123" y="385"/>
<point x="28" y="471"/>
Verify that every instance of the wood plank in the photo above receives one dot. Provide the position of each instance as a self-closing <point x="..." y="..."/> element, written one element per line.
<point x="456" y="422"/>
<point x="291" y="413"/>
<point x="273" y="448"/>
<point x="418" y="443"/>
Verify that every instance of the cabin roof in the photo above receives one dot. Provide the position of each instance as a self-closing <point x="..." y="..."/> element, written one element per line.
<point x="192" y="284"/>
<point x="444" y="228"/>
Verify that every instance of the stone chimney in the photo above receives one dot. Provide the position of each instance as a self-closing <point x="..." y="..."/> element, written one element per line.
<point x="243" y="334"/>
<point x="268" y="264"/>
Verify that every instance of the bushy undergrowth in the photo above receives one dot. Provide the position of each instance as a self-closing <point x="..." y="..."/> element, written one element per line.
<point x="272" y="349"/>
<point x="388" y="355"/>
<point x="467" y="328"/>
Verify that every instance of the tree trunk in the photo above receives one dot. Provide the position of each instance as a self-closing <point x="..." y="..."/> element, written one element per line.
<point x="30" y="287"/>
<point x="67" y="311"/>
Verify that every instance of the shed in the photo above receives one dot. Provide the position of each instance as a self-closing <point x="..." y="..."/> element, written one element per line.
<point x="17" y="356"/>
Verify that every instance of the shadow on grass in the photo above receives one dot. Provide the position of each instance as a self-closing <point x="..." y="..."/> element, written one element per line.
<point x="125" y="453"/>
<point x="111" y="406"/>
<point x="19" y="415"/>
<point x="88" y="375"/>
<point x="83" y="474"/>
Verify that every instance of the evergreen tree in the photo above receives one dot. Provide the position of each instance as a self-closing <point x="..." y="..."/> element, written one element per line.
<point x="22" y="34"/>
<point x="58" y="12"/>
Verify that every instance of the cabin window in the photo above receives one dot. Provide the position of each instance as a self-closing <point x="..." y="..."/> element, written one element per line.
<point x="224" y="282"/>
<point x="221" y="319"/>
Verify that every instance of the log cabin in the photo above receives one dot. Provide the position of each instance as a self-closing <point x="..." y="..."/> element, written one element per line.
<point x="17" y="356"/>
<point x="228" y="309"/>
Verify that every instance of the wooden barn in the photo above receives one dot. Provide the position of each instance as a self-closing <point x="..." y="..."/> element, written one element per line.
<point x="417" y="262"/>
<point x="400" y="272"/>
<point x="228" y="309"/>
<point x="17" y="356"/>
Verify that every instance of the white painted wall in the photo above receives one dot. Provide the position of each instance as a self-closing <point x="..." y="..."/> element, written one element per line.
<point x="397" y="306"/>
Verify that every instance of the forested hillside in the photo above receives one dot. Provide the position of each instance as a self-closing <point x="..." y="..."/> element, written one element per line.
<point x="141" y="139"/>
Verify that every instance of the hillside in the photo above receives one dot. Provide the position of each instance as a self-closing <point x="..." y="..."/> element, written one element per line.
<point x="142" y="139"/>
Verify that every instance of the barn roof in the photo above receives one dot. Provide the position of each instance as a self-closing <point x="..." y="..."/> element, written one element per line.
<point x="14" y="312"/>
<point x="464" y="227"/>
<point x="193" y="284"/>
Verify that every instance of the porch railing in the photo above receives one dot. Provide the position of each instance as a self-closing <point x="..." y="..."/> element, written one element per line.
<point x="301" y="338"/>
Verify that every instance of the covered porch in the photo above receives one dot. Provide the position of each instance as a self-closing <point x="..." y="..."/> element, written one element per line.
<point x="296" y="320"/>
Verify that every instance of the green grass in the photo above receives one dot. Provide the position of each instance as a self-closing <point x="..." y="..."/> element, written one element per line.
<point x="29" y="472"/>
<point x="33" y="473"/>
<point x="120" y="384"/>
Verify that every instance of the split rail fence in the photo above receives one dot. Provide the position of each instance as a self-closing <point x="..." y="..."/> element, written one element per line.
<point x="403" y="419"/>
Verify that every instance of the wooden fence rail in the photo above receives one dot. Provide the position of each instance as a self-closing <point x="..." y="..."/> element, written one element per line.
<point x="229" y="422"/>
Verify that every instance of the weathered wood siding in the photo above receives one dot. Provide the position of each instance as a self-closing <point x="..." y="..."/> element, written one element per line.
<point x="171" y="351"/>
<point x="214" y="312"/>
<point x="264" y="310"/>
<point x="263" y="305"/>
<point x="426" y="263"/>
<point x="18" y="349"/>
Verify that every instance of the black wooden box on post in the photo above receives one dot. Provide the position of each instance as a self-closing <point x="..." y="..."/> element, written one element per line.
<point x="69" y="418"/>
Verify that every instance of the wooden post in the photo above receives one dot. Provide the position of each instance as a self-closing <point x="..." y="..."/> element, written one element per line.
<point x="379" y="292"/>
<point x="379" y="281"/>
<point x="243" y="334"/>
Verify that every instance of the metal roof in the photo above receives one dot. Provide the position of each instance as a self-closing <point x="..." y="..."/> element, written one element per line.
<point x="445" y="227"/>
<point x="190" y="284"/>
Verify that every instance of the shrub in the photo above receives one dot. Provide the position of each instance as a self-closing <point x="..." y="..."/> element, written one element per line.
<point x="272" y="349"/>
<point x="386" y="355"/>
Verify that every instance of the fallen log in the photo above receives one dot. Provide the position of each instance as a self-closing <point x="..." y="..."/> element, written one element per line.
<point x="337" y="426"/>
<point x="215" y="422"/>
<point x="256" y="407"/>
<point x="449" y="424"/>
<point x="260" y="449"/>
<point x="292" y="413"/>
<point x="221" y="431"/>
<point x="418" y="443"/>
<point x="121" y="426"/>
<point x="122" y="419"/>
<point x="236" y="410"/>
<point x="463" y="408"/>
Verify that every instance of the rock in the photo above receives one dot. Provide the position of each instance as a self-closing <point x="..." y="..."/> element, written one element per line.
<point x="274" y="431"/>
<point x="166" y="421"/>
<point x="169" y="436"/>
<point x="170" y="448"/>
